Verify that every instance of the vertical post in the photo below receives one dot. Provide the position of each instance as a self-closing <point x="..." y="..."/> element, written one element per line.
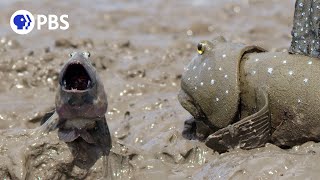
<point x="305" y="31"/>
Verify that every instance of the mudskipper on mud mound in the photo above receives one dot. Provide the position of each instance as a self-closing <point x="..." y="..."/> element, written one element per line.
<point x="242" y="96"/>
<point x="80" y="107"/>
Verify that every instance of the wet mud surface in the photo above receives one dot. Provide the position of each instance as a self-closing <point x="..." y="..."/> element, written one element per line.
<point x="140" y="50"/>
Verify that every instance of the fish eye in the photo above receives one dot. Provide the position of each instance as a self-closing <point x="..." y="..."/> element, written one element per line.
<point x="72" y="54"/>
<point x="201" y="48"/>
<point x="86" y="54"/>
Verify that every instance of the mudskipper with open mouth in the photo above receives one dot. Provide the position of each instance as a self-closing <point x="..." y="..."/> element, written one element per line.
<point x="80" y="107"/>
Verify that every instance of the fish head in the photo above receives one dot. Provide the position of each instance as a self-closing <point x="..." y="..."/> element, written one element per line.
<point x="211" y="83"/>
<point x="78" y="74"/>
<point x="81" y="92"/>
<point x="196" y="87"/>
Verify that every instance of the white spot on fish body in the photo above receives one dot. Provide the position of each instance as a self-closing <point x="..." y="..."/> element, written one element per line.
<point x="226" y="76"/>
<point x="227" y="92"/>
<point x="212" y="81"/>
<point x="194" y="67"/>
<point x="220" y="68"/>
<point x="224" y="55"/>
<point x="305" y="80"/>
<point x="284" y="62"/>
<point x="188" y="79"/>
<point x="270" y="70"/>
<point x="195" y="88"/>
<point x="209" y="68"/>
<point x="309" y="62"/>
<point x="299" y="101"/>
<point x="196" y="77"/>
<point x="257" y="59"/>
<point x="204" y="64"/>
<point x="201" y="83"/>
<point x="217" y="99"/>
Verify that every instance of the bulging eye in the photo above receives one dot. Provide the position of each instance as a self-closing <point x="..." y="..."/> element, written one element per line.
<point x="201" y="48"/>
<point x="72" y="54"/>
<point x="86" y="54"/>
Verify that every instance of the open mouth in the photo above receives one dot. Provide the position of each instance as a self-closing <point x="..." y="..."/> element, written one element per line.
<point x="76" y="77"/>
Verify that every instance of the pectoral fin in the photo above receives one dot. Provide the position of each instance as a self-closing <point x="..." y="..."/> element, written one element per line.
<point x="68" y="135"/>
<point x="250" y="132"/>
<point x="189" y="130"/>
<point x="49" y="122"/>
<point x="47" y="116"/>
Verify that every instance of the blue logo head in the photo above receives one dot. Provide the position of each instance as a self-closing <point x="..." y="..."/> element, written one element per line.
<point x="22" y="22"/>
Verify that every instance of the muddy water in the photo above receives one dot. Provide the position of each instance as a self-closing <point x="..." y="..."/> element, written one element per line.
<point x="139" y="49"/>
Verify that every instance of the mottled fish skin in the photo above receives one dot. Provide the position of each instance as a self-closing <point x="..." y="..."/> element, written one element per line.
<point x="219" y="89"/>
<point x="80" y="112"/>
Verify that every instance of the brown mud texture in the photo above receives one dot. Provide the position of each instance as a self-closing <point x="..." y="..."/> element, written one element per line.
<point x="140" y="50"/>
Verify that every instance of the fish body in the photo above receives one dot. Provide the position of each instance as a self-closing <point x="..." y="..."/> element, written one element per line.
<point x="292" y="85"/>
<point x="80" y="105"/>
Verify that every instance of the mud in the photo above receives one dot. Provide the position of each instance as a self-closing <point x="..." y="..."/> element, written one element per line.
<point x="140" y="50"/>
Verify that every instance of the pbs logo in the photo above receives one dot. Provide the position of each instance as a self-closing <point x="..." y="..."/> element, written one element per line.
<point x="22" y="22"/>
